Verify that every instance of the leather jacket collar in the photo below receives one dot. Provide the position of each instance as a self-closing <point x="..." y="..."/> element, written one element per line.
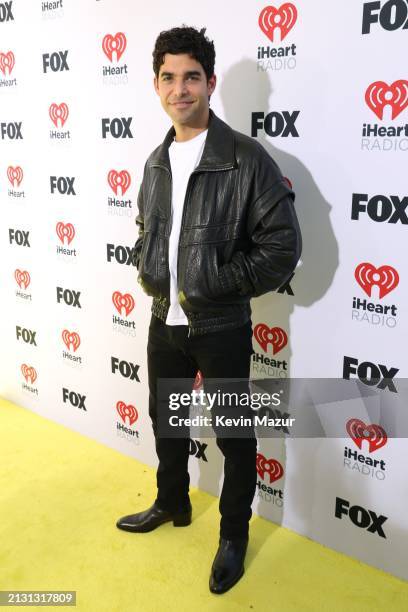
<point x="218" y="151"/>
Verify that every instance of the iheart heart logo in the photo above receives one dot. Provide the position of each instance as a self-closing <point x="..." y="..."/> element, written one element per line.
<point x="379" y="94"/>
<point x="6" y="62"/>
<point x="119" y="180"/>
<point x="22" y="278"/>
<point x="58" y="112"/>
<point x="128" y="412"/>
<point x="386" y="278"/>
<point x="272" y="18"/>
<point x="123" y="301"/>
<point x="272" y="467"/>
<point x="111" y="44"/>
<point x="71" y="339"/>
<point x="15" y="175"/>
<point x="375" y="435"/>
<point x="265" y="335"/>
<point x="198" y="381"/>
<point x="65" y="231"/>
<point x="29" y="373"/>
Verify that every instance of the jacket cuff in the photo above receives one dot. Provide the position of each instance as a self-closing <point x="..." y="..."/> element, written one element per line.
<point x="229" y="277"/>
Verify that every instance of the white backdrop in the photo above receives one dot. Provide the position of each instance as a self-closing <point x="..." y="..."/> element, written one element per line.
<point x="52" y="54"/>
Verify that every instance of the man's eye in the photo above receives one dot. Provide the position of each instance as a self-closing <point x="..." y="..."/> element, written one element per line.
<point x="193" y="78"/>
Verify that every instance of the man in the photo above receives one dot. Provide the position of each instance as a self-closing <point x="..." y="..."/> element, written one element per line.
<point x="217" y="227"/>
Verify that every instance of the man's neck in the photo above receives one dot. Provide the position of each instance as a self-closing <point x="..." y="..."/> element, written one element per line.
<point x="187" y="132"/>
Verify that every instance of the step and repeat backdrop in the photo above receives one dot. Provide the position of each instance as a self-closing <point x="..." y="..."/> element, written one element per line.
<point x="326" y="93"/>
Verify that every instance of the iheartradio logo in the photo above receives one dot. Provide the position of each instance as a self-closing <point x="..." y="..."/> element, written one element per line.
<point x="123" y="302"/>
<point x="379" y="94"/>
<point x="15" y="175"/>
<point x="71" y="339"/>
<point x="7" y="62"/>
<point x="114" y="44"/>
<point x="275" y="336"/>
<point x="58" y="113"/>
<point x="270" y="467"/>
<point x="22" y="278"/>
<point x="65" y="231"/>
<point x="375" y="435"/>
<point x="119" y="180"/>
<point x="282" y="18"/>
<point x="386" y="278"/>
<point x="29" y="373"/>
<point x="128" y="412"/>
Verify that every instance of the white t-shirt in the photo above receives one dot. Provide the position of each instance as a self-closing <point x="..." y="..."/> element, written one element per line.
<point x="184" y="158"/>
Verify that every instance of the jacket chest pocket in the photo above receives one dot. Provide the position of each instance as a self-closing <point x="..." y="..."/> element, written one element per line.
<point x="212" y="234"/>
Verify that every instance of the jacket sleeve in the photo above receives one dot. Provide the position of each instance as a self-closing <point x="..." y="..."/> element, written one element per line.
<point x="276" y="241"/>
<point x="137" y="249"/>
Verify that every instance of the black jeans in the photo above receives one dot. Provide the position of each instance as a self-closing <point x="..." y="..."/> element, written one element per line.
<point x="224" y="354"/>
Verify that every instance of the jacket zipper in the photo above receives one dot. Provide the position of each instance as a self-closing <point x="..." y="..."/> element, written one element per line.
<point x="178" y="246"/>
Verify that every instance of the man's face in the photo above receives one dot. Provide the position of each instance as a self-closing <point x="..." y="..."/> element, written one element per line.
<point x="183" y="89"/>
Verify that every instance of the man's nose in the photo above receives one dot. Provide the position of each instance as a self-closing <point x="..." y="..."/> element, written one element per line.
<point x="180" y="88"/>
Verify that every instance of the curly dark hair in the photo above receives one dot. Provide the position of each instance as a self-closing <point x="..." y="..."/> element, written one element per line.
<point x="185" y="40"/>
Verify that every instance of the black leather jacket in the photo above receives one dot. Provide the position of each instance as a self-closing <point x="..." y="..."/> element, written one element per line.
<point x="239" y="236"/>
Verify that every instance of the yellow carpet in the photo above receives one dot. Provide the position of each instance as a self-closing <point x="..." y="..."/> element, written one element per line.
<point x="61" y="494"/>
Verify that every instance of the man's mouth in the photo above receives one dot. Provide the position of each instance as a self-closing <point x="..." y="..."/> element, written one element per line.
<point x="182" y="104"/>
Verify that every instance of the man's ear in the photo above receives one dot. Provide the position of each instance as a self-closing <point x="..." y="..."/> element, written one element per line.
<point x="155" y="83"/>
<point x="212" y="82"/>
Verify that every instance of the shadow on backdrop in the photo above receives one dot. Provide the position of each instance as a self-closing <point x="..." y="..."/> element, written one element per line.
<point x="244" y="90"/>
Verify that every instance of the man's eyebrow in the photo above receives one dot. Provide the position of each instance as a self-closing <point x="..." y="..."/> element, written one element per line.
<point x="188" y="73"/>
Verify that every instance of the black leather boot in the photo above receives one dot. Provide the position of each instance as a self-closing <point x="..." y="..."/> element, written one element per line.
<point x="228" y="565"/>
<point x="151" y="518"/>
